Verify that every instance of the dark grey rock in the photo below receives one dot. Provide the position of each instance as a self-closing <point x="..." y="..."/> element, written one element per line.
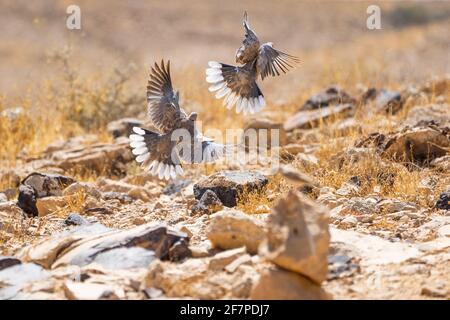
<point x="27" y="200"/>
<point x="75" y="219"/>
<point x="333" y="95"/>
<point x="8" y="261"/>
<point x="443" y="201"/>
<point x="176" y="186"/>
<point x="180" y="250"/>
<point x="208" y="204"/>
<point x="17" y="276"/>
<point x="123" y="127"/>
<point x="40" y="185"/>
<point x="229" y="185"/>
<point x="385" y="100"/>
<point x="307" y="119"/>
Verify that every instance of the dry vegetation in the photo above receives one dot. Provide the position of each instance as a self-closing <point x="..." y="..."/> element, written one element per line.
<point x="79" y="82"/>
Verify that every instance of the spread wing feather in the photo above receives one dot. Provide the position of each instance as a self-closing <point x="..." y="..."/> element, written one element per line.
<point x="272" y="62"/>
<point x="163" y="107"/>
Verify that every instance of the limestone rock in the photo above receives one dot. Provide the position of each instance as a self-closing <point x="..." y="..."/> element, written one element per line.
<point x="279" y="284"/>
<point x="88" y="291"/>
<point x="193" y="279"/>
<point x="99" y="158"/>
<point x="229" y="229"/>
<point x="435" y="113"/>
<point x="298" y="237"/>
<point x="14" y="278"/>
<point x="222" y="259"/>
<point x="419" y="144"/>
<point x="49" y="205"/>
<point x="229" y="185"/>
<point x="311" y="118"/>
<point x="371" y="250"/>
<point x="125" y="258"/>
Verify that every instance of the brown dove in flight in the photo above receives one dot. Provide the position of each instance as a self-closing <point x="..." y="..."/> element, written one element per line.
<point x="161" y="152"/>
<point x="237" y="84"/>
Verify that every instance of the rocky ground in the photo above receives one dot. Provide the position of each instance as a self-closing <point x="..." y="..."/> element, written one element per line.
<point x="82" y="221"/>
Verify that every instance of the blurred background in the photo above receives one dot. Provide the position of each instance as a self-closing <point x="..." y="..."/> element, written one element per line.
<point x="85" y="78"/>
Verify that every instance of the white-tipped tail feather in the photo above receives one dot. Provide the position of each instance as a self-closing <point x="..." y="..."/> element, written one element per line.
<point x="156" y="168"/>
<point x="219" y="85"/>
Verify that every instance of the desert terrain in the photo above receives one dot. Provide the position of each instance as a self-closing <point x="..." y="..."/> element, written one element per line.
<point x="365" y="116"/>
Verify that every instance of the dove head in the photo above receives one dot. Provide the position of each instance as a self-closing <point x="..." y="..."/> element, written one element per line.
<point x="193" y="116"/>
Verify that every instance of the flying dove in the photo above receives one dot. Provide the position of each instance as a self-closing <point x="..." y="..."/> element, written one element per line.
<point x="237" y="84"/>
<point x="161" y="152"/>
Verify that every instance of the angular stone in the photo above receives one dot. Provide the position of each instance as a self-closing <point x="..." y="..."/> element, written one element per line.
<point x="156" y="237"/>
<point x="47" y="184"/>
<point x="298" y="237"/>
<point x="82" y="245"/>
<point x="229" y="229"/>
<point x="222" y="259"/>
<point x="27" y="200"/>
<point x="444" y="201"/>
<point x="311" y="118"/>
<point x="254" y="127"/>
<point x="39" y="185"/>
<point x="233" y="265"/>
<point x="49" y="205"/>
<point x="332" y="95"/>
<point x="100" y="158"/>
<point x="123" y="127"/>
<point x="372" y="250"/>
<point x="279" y="284"/>
<point x="209" y="203"/>
<point x="385" y="100"/>
<point x="422" y="115"/>
<point x="88" y="291"/>
<point x="14" y="278"/>
<point x="193" y="279"/>
<point x="125" y="258"/>
<point x="418" y="145"/>
<point x="229" y="185"/>
<point x="83" y="187"/>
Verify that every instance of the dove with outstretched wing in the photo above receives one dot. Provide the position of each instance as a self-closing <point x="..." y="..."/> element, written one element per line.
<point x="236" y="85"/>
<point x="162" y="153"/>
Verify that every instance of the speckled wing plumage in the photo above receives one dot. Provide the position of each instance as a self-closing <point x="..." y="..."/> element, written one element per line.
<point x="163" y="107"/>
<point x="236" y="85"/>
<point x="271" y="62"/>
